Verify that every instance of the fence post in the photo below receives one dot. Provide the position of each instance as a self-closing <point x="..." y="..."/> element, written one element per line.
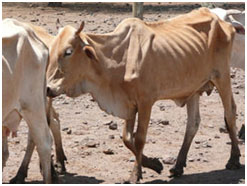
<point x="137" y="10"/>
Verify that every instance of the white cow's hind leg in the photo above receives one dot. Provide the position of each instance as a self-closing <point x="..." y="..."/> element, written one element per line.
<point x="22" y="172"/>
<point x="40" y="134"/>
<point x="5" y="151"/>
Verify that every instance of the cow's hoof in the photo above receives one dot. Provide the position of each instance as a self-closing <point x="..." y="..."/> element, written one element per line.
<point x="131" y="181"/>
<point x="176" y="172"/>
<point x="60" y="168"/>
<point x="135" y="176"/>
<point x="54" y="175"/>
<point x="18" y="179"/>
<point x="233" y="165"/>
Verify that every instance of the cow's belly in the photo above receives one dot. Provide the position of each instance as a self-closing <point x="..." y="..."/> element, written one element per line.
<point x="179" y="67"/>
<point x="172" y="79"/>
<point x="179" y="91"/>
<point x="9" y="93"/>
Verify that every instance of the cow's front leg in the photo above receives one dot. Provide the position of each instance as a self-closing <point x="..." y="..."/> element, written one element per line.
<point x="191" y="129"/>
<point x="144" y="111"/>
<point x="129" y="141"/>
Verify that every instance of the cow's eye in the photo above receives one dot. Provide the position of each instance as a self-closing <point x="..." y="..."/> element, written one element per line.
<point x="68" y="52"/>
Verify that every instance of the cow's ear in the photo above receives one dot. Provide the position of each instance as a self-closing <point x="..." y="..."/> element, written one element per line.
<point x="90" y="52"/>
<point x="239" y="28"/>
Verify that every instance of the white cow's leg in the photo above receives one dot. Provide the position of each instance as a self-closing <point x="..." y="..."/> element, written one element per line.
<point x="191" y="129"/>
<point x="5" y="151"/>
<point x="223" y="85"/>
<point x="12" y="121"/>
<point x="22" y="172"/>
<point x="36" y="120"/>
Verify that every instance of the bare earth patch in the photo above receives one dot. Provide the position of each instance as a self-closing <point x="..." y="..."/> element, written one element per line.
<point x="92" y="138"/>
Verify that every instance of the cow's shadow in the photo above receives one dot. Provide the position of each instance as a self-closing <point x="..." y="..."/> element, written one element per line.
<point x="223" y="176"/>
<point x="71" y="178"/>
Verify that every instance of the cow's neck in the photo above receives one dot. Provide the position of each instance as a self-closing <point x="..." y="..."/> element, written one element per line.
<point x="109" y="97"/>
<point x="105" y="83"/>
<point x="111" y="49"/>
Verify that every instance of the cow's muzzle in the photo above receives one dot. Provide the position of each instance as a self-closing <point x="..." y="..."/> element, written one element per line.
<point x="50" y="93"/>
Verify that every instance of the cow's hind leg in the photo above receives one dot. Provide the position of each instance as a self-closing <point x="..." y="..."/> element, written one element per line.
<point x="22" y="172"/>
<point x="12" y="120"/>
<point x="40" y="134"/>
<point x="223" y="85"/>
<point x="55" y="128"/>
<point x="5" y="150"/>
<point x="191" y="129"/>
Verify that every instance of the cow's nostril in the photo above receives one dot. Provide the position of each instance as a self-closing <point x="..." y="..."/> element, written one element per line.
<point x="48" y="89"/>
<point x="50" y="93"/>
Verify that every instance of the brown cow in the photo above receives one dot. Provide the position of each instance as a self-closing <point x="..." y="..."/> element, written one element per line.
<point x="127" y="70"/>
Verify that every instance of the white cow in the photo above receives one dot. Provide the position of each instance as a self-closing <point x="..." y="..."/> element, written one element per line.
<point x="53" y="122"/>
<point x="237" y="19"/>
<point x="24" y="62"/>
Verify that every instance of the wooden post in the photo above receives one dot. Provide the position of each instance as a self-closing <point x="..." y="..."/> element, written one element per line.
<point x="137" y="10"/>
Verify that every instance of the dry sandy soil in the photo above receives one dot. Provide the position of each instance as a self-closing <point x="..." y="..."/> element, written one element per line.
<point x="83" y="121"/>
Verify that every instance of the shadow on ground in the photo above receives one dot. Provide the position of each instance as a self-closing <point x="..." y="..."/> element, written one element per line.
<point x="223" y="176"/>
<point x="73" y="178"/>
<point x="70" y="178"/>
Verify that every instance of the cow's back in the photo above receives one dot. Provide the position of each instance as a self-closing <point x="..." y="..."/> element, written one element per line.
<point x="180" y="54"/>
<point x="24" y="60"/>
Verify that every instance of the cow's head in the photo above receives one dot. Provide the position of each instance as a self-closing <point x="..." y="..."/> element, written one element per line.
<point x="71" y="57"/>
<point x="235" y="17"/>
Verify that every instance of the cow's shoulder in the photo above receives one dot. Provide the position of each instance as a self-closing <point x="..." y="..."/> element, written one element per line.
<point x="130" y="24"/>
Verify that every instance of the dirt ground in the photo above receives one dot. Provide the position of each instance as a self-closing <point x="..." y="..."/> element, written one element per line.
<point x="83" y="121"/>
